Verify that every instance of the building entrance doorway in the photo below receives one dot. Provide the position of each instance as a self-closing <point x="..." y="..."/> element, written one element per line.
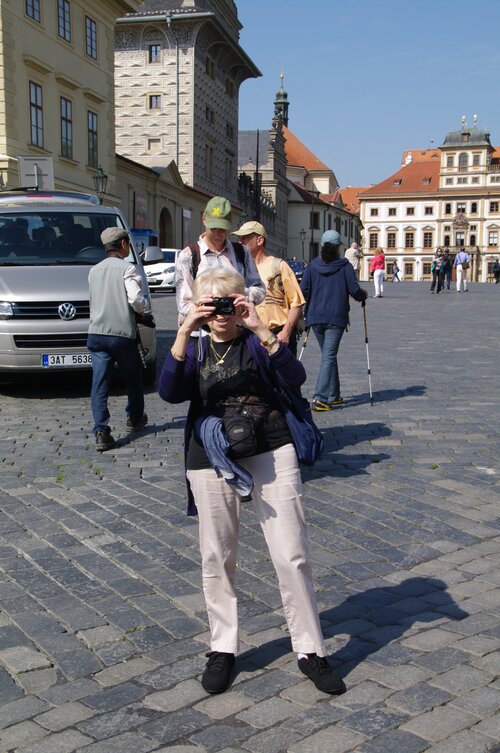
<point x="166" y="229"/>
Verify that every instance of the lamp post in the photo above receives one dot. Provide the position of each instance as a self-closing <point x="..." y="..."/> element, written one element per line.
<point x="243" y="217"/>
<point x="311" y="243"/>
<point x="302" y="234"/>
<point x="100" y="183"/>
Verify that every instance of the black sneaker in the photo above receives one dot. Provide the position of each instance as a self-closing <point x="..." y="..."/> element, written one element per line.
<point x="322" y="674"/>
<point x="104" y="441"/>
<point x="217" y="673"/>
<point x="136" y="425"/>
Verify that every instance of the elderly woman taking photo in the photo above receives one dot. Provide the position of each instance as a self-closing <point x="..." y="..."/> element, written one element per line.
<point x="238" y="443"/>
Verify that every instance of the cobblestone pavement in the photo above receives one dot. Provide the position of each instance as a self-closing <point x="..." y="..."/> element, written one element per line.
<point x="102" y="623"/>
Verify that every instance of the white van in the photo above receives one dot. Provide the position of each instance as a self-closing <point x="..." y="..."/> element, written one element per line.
<point x="48" y="242"/>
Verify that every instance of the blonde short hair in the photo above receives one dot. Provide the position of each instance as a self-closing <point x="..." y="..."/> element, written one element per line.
<point x="218" y="281"/>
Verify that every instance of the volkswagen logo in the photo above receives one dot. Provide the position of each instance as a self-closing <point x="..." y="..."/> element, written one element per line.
<point x="66" y="311"/>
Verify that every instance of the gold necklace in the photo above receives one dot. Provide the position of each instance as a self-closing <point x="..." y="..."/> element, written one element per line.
<point x="220" y="359"/>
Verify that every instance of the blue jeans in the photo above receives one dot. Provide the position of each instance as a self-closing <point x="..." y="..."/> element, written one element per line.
<point x="106" y="351"/>
<point x="328" y="384"/>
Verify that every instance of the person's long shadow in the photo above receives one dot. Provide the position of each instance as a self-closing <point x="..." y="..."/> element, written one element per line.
<point x="375" y="620"/>
<point x="384" y="396"/>
<point x="344" y="464"/>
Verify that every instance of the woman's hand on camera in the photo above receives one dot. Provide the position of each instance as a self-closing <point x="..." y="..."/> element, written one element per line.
<point x="199" y="313"/>
<point x="246" y="313"/>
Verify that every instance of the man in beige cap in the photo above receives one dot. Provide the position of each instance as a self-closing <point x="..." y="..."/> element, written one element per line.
<point x="215" y="249"/>
<point x="354" y="256"/>
<point x="116" y="296"/>
<point x="283" y="303"/>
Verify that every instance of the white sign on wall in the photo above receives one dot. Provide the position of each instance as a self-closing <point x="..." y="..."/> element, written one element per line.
<point x="36" y="172"/>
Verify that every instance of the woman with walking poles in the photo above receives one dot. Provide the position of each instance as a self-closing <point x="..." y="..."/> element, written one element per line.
<point x="239" y="450"/>
<point x="327" y="283"/>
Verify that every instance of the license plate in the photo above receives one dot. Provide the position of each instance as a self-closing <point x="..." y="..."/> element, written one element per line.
<point x="153" y="281"/>
<point x="52" y="360"/>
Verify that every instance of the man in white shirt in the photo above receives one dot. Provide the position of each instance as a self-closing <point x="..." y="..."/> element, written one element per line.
<point x="354" y="256"/>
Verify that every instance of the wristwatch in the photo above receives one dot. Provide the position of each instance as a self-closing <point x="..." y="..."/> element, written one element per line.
<point x="268" y="344"/>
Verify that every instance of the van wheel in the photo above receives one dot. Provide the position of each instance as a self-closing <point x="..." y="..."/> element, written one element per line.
<point x="150" y="374"/>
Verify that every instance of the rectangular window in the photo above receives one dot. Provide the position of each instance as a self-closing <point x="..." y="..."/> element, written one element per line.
<point x="315" y="220"/>
<point x="229" y="131"/>
<point x="428" y="240"/>
<point x="209" y="115"/>
<point x="66" y="128"/>
<point x="392" y="212"/>
<point x="373" y="242"/>
<point x="93" y="153"/>
<point x="64" y="20"/>
<point x="461" y="181"/>
<point x="90" y="37"/>
<point x="410" y="210"/>
<point x="154" y="145"/>
<point x="155" y="101"/>
<point x="338" y="225"/>
<point x="391" y="240"/>
<point x="429" y="210"/>
<point x="447" y="208"/>
<point x="210" y="67"/>
<point x="493" y="238"/>
<point x="154" y="53"/>
<point x="449" y="181"/>
<point x="475" y="179"/>
<point x="209" y="161"/>
<point x="230" y="88"/>
<point x="33" y="9"/>
<point x="408" y="269"/>
<point x="409" y="240"/>
<point x="449" y="161"/>
<point x="36" y="114"/>
<point x="373" y="212"/>
<point x="493" y="206"/>
<point x="495" y="179"/>
<point x="461" y="207"/>
<point x="427" y="267"/>
<point x="476" y="159"/>
<point x="229" y="172"/>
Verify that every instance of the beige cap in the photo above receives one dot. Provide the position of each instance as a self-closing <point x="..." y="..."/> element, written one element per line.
<point x="251" y="227"/>
<point x="113" y="234"/>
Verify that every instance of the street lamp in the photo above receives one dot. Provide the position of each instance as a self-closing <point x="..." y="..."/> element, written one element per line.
<point x="243" y="218"/>
<point x="100" y="183"/>
<point x="311" y="243"/>
<point x="302" y="234"/>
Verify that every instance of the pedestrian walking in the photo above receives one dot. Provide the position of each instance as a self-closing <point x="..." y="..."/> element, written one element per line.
<point x="116" y="297"/>
<point x="354" y="256"/>
<point x="446" y="268"/>
<point x="212" y="249"/>
<point x="437" y="271"/>
<point x="377" y="266"/>
<point x="221" y="380"/>
<point x="496" y="271"/>
<point x="461" y="264"/>
<point x="395" y="271"/>
<point x="327" y="283"/>
<point x="283" y="303"/>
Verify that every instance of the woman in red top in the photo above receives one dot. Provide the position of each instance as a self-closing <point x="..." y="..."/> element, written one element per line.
<point x="377" y="266"/>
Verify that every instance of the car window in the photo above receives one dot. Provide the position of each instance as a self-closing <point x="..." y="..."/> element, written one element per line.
<point x="53" y="237"/>
<point x="169" y="256"/>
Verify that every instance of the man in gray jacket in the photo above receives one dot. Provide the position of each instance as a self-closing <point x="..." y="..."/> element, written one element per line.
<point x="116" y="296"/>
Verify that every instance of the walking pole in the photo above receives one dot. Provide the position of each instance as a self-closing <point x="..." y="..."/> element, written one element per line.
<point x="363" y="304"/>
<point x="306" y="337"/>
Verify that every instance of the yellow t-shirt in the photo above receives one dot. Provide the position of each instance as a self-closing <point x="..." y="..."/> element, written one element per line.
<point x="281" y="294"/>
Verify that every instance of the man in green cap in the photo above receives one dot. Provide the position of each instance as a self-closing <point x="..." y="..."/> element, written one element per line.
<point x="215" y="249"/>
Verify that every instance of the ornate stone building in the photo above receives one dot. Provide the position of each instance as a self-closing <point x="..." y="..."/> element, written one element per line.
<point x="178" y="70"/>
<point x="56" y="89"/>
<point x="448" y="197"/>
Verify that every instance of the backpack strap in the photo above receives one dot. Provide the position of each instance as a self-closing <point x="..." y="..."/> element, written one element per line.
<point x="195" y="256"/>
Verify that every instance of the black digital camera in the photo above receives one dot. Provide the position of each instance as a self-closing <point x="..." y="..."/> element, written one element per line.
<point x="223" y="305"/>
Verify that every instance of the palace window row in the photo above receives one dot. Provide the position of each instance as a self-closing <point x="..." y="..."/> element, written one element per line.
<point x="37" y="133"/>
<point x="33" y="11"/>
<point x="463" y="160"/>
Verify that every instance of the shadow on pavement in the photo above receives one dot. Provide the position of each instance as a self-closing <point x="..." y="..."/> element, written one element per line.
<point x="384" y="396"/>
<point x="375" y="619"/>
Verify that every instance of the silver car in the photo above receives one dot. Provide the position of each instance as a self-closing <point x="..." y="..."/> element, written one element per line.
<point x="48" y="242"/>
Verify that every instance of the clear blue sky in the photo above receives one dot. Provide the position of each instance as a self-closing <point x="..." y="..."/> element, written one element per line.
<point x="369" y="78"/>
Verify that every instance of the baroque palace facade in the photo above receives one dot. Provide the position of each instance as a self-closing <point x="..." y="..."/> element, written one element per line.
<point x="447" y="197"/>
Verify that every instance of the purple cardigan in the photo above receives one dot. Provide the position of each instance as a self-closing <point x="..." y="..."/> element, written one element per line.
<point x="179" y="381"/>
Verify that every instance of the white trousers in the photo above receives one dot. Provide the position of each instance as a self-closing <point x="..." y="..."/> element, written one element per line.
<point x="378" y="279"/>
<point x="461" y="277"/>
<point x="276" y="500"/>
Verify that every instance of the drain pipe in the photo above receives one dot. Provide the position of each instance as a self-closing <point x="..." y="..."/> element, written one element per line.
<point x="168" y="18"/>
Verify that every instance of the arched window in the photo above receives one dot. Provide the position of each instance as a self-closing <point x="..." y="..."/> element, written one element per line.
<point x="463" y="159"/>
<point x="473" y="208"/>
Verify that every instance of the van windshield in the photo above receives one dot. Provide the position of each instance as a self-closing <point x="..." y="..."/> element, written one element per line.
<point x="52" y="237"/>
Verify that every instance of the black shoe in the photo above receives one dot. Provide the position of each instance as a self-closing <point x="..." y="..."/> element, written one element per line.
<point x="322" y="674"/>
<point x="138" y="424"/>
<point x="104" y="441"/>
<point x="217" y="673"/>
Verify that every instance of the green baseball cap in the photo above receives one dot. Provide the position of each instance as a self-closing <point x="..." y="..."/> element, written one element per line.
<point x="218" y="213"/>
